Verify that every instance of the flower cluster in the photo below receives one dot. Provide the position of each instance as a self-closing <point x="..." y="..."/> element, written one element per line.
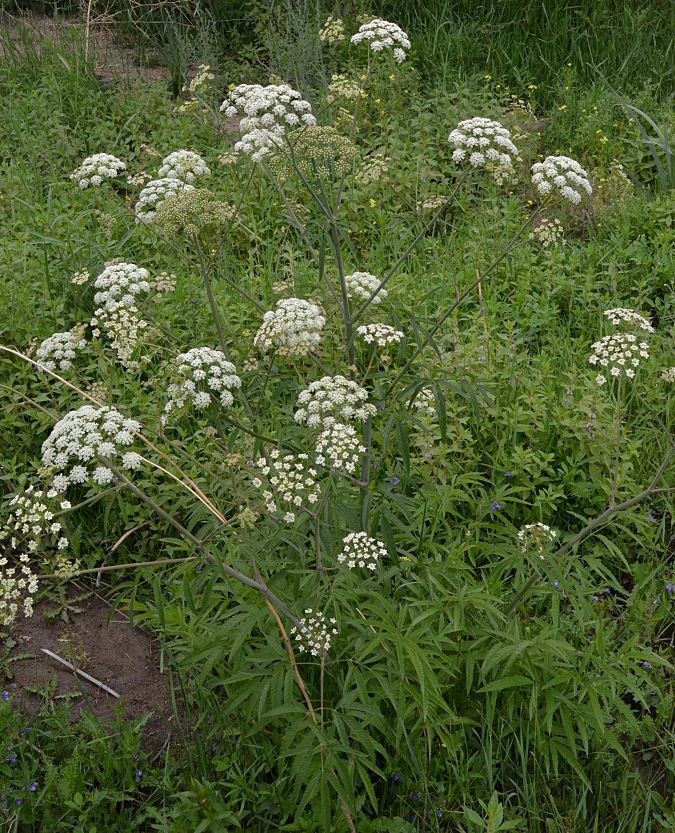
<point x="185" y="165"/>
<point x="333" y="397"/>
<point x="154" y="194"/>
<point x="292" y="329"/>
<point x="381" y="334"/>
<point x="332" y="31"/>
<point x="96" y="168"/>
<point x="621" y="315"/>
<point x="122" y="328"/>
<point x="201" y="371"/>
<point x="563" y="174"/>
<point x="58" y="351"/>
<point x="536" y="537"/>
<point x="81" y="277"/>
<point x="668" y="374"/>
<point x="31" y="520"/>
<point x="342" y="87"/>
<point x="188" y="212"/>
<point x="425" y="402"/>
<point x="361" y="551"/>
<point x="319" y="150"/>
<point x="119" y="284"/>
<point x="620" y="353"/>
<point x="549" y="233"/>
<point x="292" y="483"/>
<point x="373" y="169"/>
<point x="483" y="141"/>
<point x="266" y="113"/>
<point x="338" y="447"/>
<point x="83" y="438"/>
<point x="381" y="34"/>
<point x="15" y="583"/>
<point x="314" y="632"/>
<point x="201" y="82"/>
<point x="138" y="180"/>
<point x="362" y="285"/>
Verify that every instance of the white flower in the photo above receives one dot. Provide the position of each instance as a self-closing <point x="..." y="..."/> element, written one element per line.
<point x="381" y="34"/>
<point x="293" y="329"/>
<point x="484" y="142"/>
<point x="361" y="551"/>
<point x="333" y="397"/>
<point x="313" y="633"/>
<point x="94" y="169"/>
<point x="291" y="482"/>
<point x="564" y="174"/>
<point x="668" y="374"/>
<point x="362" y="285"/>
<point x="536" y="537"/>
<point x="266" y="113"/>
<point x="338" y="447"/>
<point x="199" y="372"/>
<point x="332" y="31"/>
<point x="58" y="351"/>
<point x="104" y="429"/>
<point x="381" y="334"/>
<point x="185" y="165"/>
<point x="549" y="233"/>
<point x="154" y="194"/>
<point x="119" y="284"/>
<point x="620" y="354"/>
<point x="122" y="328"/>
<point x="425" y="402"/>
<point x="621" y="315"/>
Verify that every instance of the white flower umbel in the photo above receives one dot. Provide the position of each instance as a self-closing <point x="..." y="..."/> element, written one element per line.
<point x="425" y="403"/>
<point x="380" y="35"/>
<point x="154" y="194"/>
<point x="338" y="447"/>
<point x="332" y="31"/>
<point x="84" y="438"/>
<point x="96" y="168"/>
<point x="668" y="375"/>
<point x="291" y="480"/>
<point x="561" y="174"/>
<point x="361" y="551"/>
<point x="549" y="233"/>
<point x="629" y="318"/>
<point x="342" y="87"/>
<point x="314" y="632"/>
<point x="59" y="350"/>
<point x="266" y="113"/>
<point x="119" y="284"/>
<point x="482" y="142"/>
<point x="619" y="354"/>
<point x="185" y="165"/>
<point x="122" y="327"/>
<point x="362" y="285"/>
<point x="18" y="586"/>
<point x="536" y="537"/>
<point x="31" y="524"/>
<point x="202" y="374"/>
<point x="380" y="334"/>
<point x="331" y="398"/>
<point x="293" y="329"/>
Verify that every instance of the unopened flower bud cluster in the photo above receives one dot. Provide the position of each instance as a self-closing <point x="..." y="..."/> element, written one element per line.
<point x="185" y="165"/>
<point x="314" y="632"/>
<point x="78" y="441"/>
<point x="373" y="169"/>
<point x="202" y="374"/>
<point x="549" y="233"/>
<point x="154" y="194"/>
<point x="361" y="551"/>
<point x="94" y="169"/>
<point x="332" y="31"/>
<point x="81" y="277"/>
<point x="188" y="212"/>
<point x="59" y="350"/>
<point x="292" y="483"/>
<point x="561" y="174"/>
<point x="331" y="398"/>
<point x="362" y="285"/>
<point x="201" y="82"/>
<point x="380" y="334"/>
<point x="380" y="35"/>
<point x="338" y="447"/>
<point x="668" y="374"/>
<point x="536" y="537"/>
<point x="319" y="150"/>
<point x="620" y="354"/>
<point x="483" y="141"/>
<point x="291" y="330"/>
<point x="342" y="87"/>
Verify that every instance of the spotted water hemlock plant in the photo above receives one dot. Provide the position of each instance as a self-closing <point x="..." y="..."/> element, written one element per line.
<point x="307" y="454"/>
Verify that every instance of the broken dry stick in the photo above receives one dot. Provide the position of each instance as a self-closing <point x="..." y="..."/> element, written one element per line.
<point x="81" y="673"/>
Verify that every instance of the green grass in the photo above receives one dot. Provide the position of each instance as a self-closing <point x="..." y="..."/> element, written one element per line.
<point x="435" y="701"/>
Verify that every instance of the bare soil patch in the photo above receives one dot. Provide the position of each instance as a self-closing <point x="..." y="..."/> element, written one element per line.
<point x="122" y="657"/>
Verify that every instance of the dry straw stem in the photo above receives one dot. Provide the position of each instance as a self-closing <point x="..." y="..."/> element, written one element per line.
<point x="80" y="673"/>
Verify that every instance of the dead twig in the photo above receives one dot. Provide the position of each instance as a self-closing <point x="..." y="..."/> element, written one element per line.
<point x="84" y="674"/>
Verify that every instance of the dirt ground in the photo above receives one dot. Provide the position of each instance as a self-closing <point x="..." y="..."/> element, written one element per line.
<point x="122" y="657"/>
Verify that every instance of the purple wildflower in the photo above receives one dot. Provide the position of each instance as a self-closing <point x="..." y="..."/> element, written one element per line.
<point x="5" y="696"/>
<point x="496" y="506"/>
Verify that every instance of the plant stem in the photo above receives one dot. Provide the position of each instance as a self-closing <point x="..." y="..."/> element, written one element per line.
<point x="615" y="481"/>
